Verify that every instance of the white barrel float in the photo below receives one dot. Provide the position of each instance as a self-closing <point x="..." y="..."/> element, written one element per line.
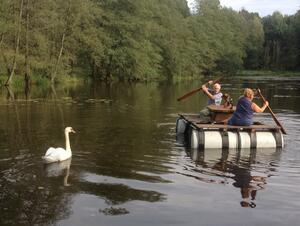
<point x="181" y="125"/>
<point x="212" y="139"/>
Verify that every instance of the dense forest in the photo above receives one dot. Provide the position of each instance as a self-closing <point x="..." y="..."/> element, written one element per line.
<point x="140" y="39"/>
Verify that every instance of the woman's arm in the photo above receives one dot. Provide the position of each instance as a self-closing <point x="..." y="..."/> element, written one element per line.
<point x="258" y="109"/>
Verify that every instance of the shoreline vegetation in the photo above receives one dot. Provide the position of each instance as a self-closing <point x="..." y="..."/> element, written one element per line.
<point x="140" y="41"/>
<point x="19" y="82"/>
<point x="269" y="73"/>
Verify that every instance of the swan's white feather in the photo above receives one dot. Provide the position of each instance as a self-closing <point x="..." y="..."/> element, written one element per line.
<point x="57" y="155"/>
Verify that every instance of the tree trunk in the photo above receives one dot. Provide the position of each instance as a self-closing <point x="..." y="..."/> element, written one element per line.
<point x="267" y="55"/>
<point x="10" y="94"/>
<point x="1" y="39"/>
<point x="53" y="76"/>
<point x="274" y="54"/>
<point x="3" y="55"/>
<point x="7" y="83"/>
<point x="27" y="73"/>
<point x="277" y="54"/>
<point x="58" y="58"/>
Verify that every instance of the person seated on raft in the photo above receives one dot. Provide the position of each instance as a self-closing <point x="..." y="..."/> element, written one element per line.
<point x="243" y="115"/>
<point x="214" y="97"/>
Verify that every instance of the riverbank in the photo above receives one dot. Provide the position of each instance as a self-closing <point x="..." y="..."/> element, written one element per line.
<point x="19" y="82"/>
<point x="269" y="73"/>
<point x="43" y="81"/>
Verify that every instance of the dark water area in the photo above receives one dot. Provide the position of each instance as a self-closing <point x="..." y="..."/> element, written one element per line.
<point x="128" y="168"/>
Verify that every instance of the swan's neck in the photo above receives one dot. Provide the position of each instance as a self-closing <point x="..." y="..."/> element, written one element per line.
<point x="68" y="147"/>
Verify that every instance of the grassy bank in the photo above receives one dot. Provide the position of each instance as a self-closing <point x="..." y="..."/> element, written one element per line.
<point x="41" y="81"/>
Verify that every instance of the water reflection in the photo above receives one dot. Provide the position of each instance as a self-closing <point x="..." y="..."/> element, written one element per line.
<point x="56" y="169"/>
<point x="237" y="167"/>
<point x="124" y="163"/>
<point x="114" y="211"/>
<point x="248" y="184"/>
<point x="115" y="193"/>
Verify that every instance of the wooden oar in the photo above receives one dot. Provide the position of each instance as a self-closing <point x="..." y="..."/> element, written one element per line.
<point x="195" y="90"/>
<point x="272" y="113"/>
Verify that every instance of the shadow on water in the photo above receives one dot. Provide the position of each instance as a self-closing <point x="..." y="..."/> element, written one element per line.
<point x="239" y="167"/>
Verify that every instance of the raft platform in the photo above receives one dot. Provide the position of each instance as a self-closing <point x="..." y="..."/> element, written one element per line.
<point x="199" y="135"/>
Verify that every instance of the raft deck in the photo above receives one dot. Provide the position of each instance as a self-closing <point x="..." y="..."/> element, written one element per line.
<point x="195" y="120"/>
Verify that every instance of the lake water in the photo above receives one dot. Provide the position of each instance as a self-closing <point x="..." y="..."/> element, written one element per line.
<point x="127" y="167"/>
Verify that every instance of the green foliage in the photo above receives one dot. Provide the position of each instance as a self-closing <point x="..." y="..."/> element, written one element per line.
<point x="40" y="81"/>
<point x="282" y="46"/>
<point x="142" y="39"/>
<point x="254" y="40"/>
<point x="221" y="35"/>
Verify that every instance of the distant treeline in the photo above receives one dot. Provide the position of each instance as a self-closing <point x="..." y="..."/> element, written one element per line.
<point x="140" y="39"/>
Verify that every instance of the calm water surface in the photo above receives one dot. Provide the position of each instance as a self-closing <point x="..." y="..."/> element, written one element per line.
<point x="127" y="167"/>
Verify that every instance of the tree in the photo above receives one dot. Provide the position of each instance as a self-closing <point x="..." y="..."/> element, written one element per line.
<point x="275" y="28"/>
<point x="220" y="33"/>
<point x="254" y="40"/>
<point x="17" y="44"/>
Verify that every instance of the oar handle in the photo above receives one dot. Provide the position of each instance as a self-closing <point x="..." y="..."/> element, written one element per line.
<point x="213" y="82"/>
<point x="272" y="113"/>
<point x="196" y="90"/>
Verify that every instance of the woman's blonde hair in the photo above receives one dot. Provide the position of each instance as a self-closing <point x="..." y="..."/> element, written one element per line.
<point x="248" y="93"/>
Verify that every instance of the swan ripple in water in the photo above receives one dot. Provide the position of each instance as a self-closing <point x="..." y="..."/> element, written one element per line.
<point x="60" y="154"/>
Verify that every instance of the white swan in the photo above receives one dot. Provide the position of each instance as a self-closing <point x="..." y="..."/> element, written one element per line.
<point x="60" y="154"/>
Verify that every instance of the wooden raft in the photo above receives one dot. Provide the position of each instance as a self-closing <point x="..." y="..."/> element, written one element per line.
<point x="196" y="122"/>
